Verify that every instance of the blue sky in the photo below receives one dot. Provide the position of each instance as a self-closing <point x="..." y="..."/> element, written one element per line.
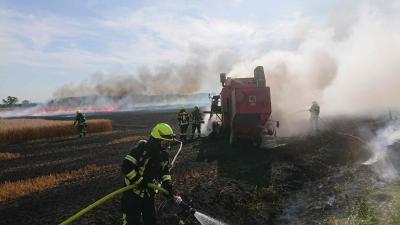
<point x="46" y="44"/>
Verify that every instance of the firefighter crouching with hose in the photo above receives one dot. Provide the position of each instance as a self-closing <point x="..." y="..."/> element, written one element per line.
<point x="147" y="162"/>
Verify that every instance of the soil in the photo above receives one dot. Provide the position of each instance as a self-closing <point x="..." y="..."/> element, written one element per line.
<point x="300" y="181"/>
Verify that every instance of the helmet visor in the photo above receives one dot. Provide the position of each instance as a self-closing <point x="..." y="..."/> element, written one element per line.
<point x="168" y="137"/>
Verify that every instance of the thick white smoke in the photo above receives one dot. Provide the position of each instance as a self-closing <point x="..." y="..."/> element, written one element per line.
<point x="350" y="65"/>
<point x="382" y="158"/>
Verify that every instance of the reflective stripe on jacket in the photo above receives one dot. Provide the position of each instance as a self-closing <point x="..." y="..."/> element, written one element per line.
<point x="183" y="118"/>
<point x="138" y="166"/>
<point x="80" y="118"/>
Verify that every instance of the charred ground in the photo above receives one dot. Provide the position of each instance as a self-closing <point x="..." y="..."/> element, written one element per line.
<point x="305" y="181"/>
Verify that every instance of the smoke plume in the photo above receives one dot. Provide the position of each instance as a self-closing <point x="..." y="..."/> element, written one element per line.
<point x="164" y="80"/>
<point x="383" y="158"/>
<point x="349" y="64"/>
<point x="349" y="67"/>
<point x="198" y="72"/>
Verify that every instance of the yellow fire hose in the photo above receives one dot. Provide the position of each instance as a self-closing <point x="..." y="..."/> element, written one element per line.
<point x="108" y="197"/>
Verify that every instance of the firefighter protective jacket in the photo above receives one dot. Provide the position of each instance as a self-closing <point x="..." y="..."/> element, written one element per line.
<point x="80" y="119"/>
<point x="196" y="117"/>
<point x="142" y="166"/>
<point x="183" y="118"/>
<point x="315" y="109"/>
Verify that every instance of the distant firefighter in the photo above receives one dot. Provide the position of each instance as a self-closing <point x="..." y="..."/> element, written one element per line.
<point x="314" y="115"/>
<point x="183" y="121"/>
<point x="196" y="119"/>
<point x="80" y="123"/>
<point x="214" y="106"/>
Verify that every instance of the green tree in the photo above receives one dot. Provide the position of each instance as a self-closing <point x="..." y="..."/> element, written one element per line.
<point x="10" y="100"/>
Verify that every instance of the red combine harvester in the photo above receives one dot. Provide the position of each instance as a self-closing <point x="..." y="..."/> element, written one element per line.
<point x="243" y="109"/>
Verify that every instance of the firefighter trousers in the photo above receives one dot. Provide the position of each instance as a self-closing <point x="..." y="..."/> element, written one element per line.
<point x="81" y="129"/>
<point x="134" y="207"/>
<point x="196" y="126"/>
<point x="183" y="134"/>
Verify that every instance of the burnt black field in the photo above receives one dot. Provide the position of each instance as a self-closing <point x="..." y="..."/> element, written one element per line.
<point x="238" y="185"/>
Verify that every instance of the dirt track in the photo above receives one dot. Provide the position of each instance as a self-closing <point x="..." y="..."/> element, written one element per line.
<point x="290" y="184"/>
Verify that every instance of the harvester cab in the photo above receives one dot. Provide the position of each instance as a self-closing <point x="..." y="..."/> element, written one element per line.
<point x="243" y="108"/>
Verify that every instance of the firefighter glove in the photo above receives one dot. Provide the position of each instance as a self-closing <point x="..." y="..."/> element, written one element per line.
<point x="168" y="186"/>
<point x="178" y="200"/>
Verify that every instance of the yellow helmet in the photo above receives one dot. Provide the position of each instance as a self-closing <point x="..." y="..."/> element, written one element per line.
<point x="163" y="131"/>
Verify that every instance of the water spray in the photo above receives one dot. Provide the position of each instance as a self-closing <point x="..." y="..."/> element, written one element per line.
<point x="301" y="111"/>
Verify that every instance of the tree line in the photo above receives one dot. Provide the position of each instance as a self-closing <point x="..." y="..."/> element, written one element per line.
<point x="11" y="101"/>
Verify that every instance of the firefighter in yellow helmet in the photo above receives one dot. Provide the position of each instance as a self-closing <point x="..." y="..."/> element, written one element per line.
<point x="183" y="122"/>
<point x="146" y="163"/>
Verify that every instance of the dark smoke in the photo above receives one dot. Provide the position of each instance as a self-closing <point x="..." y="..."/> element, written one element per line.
<point x="164" y="80"/>
<point x="200" y="72"/>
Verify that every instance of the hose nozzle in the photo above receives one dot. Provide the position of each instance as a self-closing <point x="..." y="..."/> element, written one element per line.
<point x="186" y="207"/>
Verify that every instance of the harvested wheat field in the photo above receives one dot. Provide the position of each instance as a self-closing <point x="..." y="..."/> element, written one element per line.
<point x="23" y="130"/>
<point x="317" y="179"/>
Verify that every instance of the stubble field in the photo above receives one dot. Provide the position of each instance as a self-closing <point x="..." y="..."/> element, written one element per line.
<point x="316" y="179"/>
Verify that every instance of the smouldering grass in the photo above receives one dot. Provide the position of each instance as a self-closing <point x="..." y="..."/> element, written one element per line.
<point x="379" y="207"/>
<point x="361" y="214"/>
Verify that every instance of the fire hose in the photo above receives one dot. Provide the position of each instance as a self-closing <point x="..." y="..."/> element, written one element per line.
<point x="106" y="198"/>
<point x="120" y="191"/>
<point x="177" y="153"/>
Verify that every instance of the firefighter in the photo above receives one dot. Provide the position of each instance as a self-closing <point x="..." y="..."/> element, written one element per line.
<point x="196" y="119"/>
<point x="314" y="115"/>
<point x="214" y="106"/>
<point x="183" y="121"/>
<point x="147" y="162"/>
<point x="80" y="123"/>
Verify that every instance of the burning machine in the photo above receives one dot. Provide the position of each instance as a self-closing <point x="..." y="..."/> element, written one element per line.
<point x="243" y="108"/>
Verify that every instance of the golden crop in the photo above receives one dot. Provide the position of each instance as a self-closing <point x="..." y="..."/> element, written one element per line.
<point x="11" y="190"/>
<point x="23" y="130"/>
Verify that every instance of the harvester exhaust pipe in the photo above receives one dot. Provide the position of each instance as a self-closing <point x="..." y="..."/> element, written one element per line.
<point x="259" y="76"/>
<point x="222" y="78"/>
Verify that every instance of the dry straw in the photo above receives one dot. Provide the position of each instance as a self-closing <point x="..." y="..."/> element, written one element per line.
<point x="9" y="155"/>
<point x="23" y="130"/>
<point x="12" y="190"/>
